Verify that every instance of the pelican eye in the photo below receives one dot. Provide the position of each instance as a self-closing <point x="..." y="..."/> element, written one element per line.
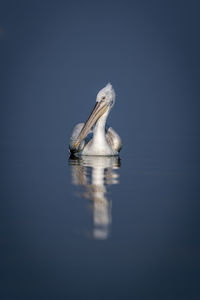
<point x="103" y="98"/>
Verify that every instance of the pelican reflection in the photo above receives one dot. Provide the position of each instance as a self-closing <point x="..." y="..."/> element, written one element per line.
<point x="95" y="173"/>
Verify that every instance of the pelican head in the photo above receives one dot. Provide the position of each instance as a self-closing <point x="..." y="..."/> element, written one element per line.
<point x="104" y="102"/>
<point x="107" y="95"/>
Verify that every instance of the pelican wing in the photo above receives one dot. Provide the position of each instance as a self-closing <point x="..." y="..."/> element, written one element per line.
<point x="113" y="139"/>
<point x="75" y="133"/>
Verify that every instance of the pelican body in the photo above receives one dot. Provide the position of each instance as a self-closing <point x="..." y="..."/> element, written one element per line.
<point x="94" y="137"/>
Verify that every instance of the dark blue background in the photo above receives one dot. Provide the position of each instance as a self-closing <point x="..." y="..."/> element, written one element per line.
<point x="54" y="57"/>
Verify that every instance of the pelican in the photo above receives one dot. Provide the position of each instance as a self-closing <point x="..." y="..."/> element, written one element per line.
<point x="93" y="137"/>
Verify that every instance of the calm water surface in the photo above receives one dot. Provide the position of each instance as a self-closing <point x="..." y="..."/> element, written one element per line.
<point x="95" y="174"/>
<point x="103" y="227"/>
<point x="99" y="228"/>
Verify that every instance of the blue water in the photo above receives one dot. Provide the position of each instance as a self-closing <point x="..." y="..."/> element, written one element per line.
<point x="99" y="228"/>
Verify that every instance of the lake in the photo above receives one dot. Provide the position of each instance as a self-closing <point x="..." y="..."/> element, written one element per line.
<point x="105" y="227"/>
<point x="99" y="227"/>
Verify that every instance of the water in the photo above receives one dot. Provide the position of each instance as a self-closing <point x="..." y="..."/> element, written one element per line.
<point x="95" y="174"/>
<point x="99" y="228"/>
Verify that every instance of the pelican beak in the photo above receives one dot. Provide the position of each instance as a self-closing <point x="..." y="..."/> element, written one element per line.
<point x="99" y="109"/>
